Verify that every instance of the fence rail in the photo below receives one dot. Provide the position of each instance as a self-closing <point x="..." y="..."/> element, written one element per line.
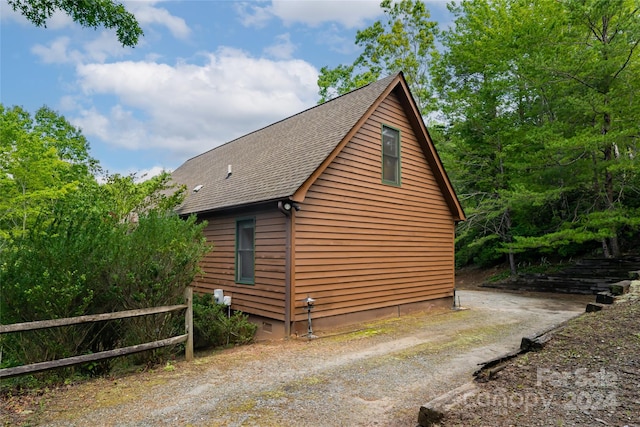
<point x="108" y="354"/>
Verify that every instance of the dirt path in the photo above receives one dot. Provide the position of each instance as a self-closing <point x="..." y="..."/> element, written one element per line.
<point x="378" y="375"/>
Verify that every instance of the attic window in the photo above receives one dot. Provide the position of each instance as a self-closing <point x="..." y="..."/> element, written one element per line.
<point x="390" y="155"/>
<point x="197" y="188"/>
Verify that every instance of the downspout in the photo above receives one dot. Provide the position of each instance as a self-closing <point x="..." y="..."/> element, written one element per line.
<point x="287" y="277"/>
<point x="292" y="268"/>
<point x="288" y="208"/>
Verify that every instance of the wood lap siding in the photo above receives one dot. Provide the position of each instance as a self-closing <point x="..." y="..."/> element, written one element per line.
<point x="266" y="296"/>
<point x="361" y="244"/>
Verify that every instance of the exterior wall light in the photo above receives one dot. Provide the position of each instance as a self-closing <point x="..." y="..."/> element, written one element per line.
<point x="286" y="206"/>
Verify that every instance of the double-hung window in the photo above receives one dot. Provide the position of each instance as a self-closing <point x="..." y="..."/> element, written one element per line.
<point x="390" y="155"/>
<point x="245" y="248"/>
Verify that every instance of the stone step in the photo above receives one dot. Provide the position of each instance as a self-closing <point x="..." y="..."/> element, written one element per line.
<point x="620" y="288"/>
<point x="605" y="297"/>
<point x="588" y="276"/>
<point x="593" y="307"/>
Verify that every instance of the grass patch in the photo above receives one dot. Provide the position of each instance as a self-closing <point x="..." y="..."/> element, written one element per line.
<point x="397" y="325"/>
<point x="543" y="267"/>
<point x="360" y="334"/>
<point x="245" y="406"/>
<point x="498" y="277"/>
<point x="312" y="381"/>
<point x="273" y="394"/>
<point x="463" y="340"/>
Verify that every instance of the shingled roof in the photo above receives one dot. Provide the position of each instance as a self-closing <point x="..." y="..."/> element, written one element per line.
<point x="273" y="162"/>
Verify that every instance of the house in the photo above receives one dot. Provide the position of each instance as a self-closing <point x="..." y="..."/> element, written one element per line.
<point x="347" y="203"/>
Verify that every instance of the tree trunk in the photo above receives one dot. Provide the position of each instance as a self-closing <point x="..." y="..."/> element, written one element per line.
<point x="609" y="156"/>
<point x="512" y="263"/>
<point x="605" y="248"/>
<point x="615" y="247"/>
<point x="509" y="239"/>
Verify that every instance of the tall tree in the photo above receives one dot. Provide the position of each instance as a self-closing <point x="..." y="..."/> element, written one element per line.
<point x="88" y="13"/>
<point x="598" y="72"/>
<point x="404" y="42"/>
<point x="488" y="99"/>
<point x="589" y="66"/>
<point x="41" y="160"/>
<point x="552" y="87"/>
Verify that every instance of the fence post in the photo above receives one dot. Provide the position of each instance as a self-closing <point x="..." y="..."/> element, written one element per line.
<point x="188" y="323"/>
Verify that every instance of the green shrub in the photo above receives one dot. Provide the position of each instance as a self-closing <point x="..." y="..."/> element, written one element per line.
<point x="85" y="260"/>
<point x="238" y="328"/>
<point x="213" y="327"/>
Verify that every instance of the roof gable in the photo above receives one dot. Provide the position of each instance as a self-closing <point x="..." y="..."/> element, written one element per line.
<point x="284" y="159"/>
<point x="275" y="161"/>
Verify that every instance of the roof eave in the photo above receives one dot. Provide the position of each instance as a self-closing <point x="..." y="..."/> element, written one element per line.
<point x="229" y="208"/>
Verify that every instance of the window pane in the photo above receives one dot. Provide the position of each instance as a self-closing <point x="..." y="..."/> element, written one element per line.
<point x="245" y="233"/>
<point x="390" y="155"/>
<point x="245" y="267"/>
<point x="390" y="142"/>
<point x="246" y="236"/>
<point x="390" y="147"/>
<point x="389" y="169"/>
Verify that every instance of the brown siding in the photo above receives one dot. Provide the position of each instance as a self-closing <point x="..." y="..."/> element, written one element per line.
<point x="361" y="244"/>
<point x="266" y="297"/>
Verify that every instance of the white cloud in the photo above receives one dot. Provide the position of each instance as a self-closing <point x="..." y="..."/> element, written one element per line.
<point x="333" y="38"/>
<point x="351" y="14"/>
<point x="57" y="21"/>
<point x="68" y="103"/>
<point x="56" y="52"/>
<point x="283" y="48"/>
<point x="105" y="46"/>
<point x="153" y="57"/>
<point x="186" y="109"/>
<point x="8" y="14"/>
<point x="146" y="174"/>
<point x="253" y="15"/>
<point x="59" y="50"/>
<point x="93" y="123"/>
<point x="146" y="14"/>
<point x="140" y="175"/>
<point x="145" y="11"/>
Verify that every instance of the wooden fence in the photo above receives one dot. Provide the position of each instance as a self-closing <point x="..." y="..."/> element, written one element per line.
<point x="76" y="360"/>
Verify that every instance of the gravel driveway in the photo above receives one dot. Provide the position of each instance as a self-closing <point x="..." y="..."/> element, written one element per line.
<point x="377" y="375"/>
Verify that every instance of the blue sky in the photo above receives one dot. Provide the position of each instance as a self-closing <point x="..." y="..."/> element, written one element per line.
<point x="205" y="72"/>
